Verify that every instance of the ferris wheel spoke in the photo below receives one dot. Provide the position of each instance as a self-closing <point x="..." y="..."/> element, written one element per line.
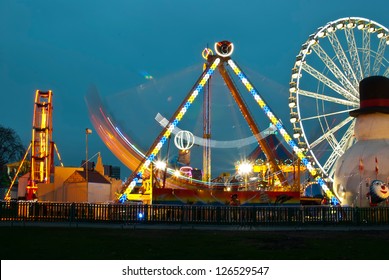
<point x="334" y="69"/>
<point x="386" y="74"/>
<point x="328" y="98"/>
<point x="340" y="54"/>
<point x="379" y="56"/>
<point x="366" y="52"/>
<point x="329" y="132"/>
<point x="339" y="148"/>
<point x="326" y="115"/>
<point x="355" y="61"/>
<point x="331" y="84"/>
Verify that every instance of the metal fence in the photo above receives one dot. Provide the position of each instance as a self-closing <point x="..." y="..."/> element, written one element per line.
<point x="192" y="214"/>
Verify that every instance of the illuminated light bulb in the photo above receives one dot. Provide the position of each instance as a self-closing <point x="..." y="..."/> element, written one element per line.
<point x="295" y="73"/>
<point x="350" y="25"/>
<point x="321" y="34"/>
<point x="312" y="40"/>
<point x="330" y="29"/>
<point x="292" y="102"/>
<point x="380" y="34"/>
<point x="245" y="168"/>
<point x="292" y="84"/>
<point x="292" y="89"/>
<point x="296" y="132"/>
<point x="161" y="165"/>
<point x="299" y="60"/>
<point x="371" y="29"/>
<point x="340" y="25"/>
<point x="293" y="117"/>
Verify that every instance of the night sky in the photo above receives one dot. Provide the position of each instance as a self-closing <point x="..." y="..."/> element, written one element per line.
<point x="67" y="46"/>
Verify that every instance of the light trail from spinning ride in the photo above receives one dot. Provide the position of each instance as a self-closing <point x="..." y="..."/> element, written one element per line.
<point x="166" y="132"/>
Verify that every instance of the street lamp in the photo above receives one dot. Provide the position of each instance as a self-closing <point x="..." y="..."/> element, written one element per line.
<point x="87" y="132"/>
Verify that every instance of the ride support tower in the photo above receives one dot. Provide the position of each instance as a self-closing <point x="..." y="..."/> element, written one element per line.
<point x="42" y="146"/>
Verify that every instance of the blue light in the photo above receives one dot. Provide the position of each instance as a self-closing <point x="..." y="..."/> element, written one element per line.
<point x="140" y="216"/>
<point x="123" y="198"/>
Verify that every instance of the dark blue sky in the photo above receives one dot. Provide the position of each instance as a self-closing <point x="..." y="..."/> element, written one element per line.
<point x="68" y="45"/>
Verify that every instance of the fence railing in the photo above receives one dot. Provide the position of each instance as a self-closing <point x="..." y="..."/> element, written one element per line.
<point x="192" y="214"/>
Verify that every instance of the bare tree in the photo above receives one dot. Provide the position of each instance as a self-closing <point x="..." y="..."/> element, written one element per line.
<point x="11" y="150"/>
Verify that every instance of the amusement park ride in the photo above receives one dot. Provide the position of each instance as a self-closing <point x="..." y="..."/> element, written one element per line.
<point x="144" y="172"/>
<point x="42" y="146"/>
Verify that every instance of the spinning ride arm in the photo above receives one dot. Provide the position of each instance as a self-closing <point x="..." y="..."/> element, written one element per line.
<point x="250" y="121"/>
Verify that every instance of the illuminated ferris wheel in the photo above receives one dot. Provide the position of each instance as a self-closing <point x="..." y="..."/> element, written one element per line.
<point x="324" y="85"/>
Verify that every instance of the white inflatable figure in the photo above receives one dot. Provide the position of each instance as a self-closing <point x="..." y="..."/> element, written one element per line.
<point x="368" y="159"/>
<point x="378" y="192"/>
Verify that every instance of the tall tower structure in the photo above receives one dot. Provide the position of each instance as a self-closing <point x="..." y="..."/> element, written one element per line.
<point x="42" y="146"/>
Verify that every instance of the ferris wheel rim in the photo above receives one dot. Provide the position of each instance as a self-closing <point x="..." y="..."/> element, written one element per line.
<point x="350" y="96"/>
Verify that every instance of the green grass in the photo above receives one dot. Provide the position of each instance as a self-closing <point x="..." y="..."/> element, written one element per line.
<point x="45" y="243"/>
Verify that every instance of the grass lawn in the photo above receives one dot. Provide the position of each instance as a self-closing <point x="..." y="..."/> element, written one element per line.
<point x="46" y="243"/>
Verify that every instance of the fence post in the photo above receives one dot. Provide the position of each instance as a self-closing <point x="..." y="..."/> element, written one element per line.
<point x="218" y="215"/>
<point x="72" y="212"/>
<point x="146" y="213"/>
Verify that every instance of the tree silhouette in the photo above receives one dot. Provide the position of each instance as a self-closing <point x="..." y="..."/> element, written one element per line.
<point x="11" y="150"/>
